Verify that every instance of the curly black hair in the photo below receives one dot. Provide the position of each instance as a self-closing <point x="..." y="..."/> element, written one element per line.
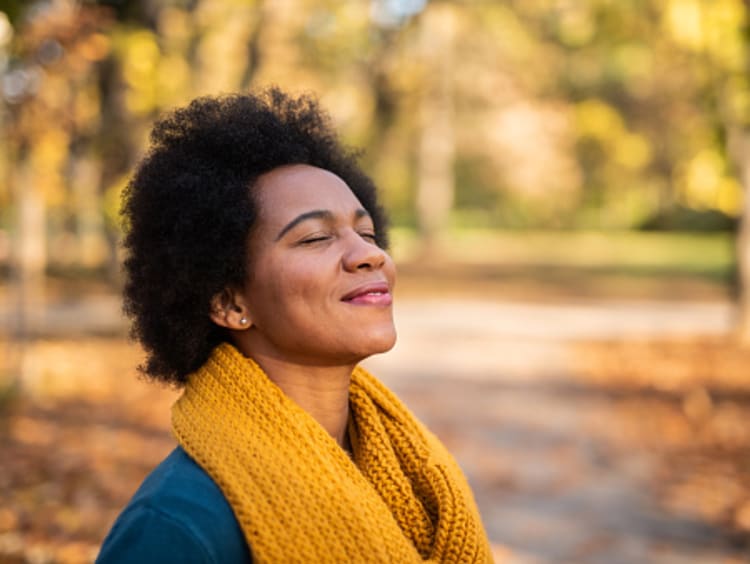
<point x="189" y="208"/>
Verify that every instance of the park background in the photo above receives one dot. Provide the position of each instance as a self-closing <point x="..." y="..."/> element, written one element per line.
<point x="567" y="186"/>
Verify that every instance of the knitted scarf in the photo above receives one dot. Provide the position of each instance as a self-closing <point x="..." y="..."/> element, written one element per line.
<point x="299" y="497"/>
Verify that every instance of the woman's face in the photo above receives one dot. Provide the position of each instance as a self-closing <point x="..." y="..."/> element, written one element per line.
<point x="319" y="288"/>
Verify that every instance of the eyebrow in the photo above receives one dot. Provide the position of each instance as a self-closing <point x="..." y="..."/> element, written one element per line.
<point x="316" y="214"/>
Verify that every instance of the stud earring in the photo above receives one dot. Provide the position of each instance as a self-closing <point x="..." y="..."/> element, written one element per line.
<point x="243" y="321"/>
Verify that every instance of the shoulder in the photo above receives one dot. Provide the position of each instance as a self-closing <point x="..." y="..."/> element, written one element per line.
<point x="177" y="515"/>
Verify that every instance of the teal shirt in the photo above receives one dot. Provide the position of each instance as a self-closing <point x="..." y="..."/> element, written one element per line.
<point x="177" y="515"/>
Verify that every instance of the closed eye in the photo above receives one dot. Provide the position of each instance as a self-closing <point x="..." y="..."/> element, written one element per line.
<point x="315" y="239"/>
<point x="368" y="236"/>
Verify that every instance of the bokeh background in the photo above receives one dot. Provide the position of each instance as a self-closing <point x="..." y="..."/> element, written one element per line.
<point x="567" y="182"/>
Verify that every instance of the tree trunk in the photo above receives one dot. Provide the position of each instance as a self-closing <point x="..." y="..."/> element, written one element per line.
<point x="739" y="152"/>
<point x="116" y="147"/>
<point x="29" y="262"/>
<point x="31" y="256"/>
<point x="741" y="145"/>
<point x="436" y="152"/>
<point x="87" y="207"/>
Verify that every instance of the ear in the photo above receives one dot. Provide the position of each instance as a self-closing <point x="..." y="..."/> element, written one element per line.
<point x="228" y="310"/>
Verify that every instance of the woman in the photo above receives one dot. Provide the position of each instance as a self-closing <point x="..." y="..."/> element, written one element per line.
<point x="257" y="279"/>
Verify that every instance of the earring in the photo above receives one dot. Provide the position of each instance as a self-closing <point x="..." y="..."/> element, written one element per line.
<point x="243" y="321"/>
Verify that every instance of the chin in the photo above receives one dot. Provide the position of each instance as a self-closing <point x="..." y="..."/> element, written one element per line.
<point x="381" y="343"/>
<point x="360" y="346"/>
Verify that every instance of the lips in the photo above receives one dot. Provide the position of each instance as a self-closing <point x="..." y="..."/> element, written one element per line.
<point x="376" y="293"/>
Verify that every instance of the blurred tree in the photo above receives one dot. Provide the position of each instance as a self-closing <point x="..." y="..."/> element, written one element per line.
<point x="47" y="81"/>
<point x="544" y="113"/>
<point x="740" y="148"/>
<point x="437" y="143"/>
<point x="735" y="109"/>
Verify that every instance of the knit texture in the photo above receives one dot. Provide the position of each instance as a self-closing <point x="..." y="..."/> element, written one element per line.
<point x="298" y="496"/>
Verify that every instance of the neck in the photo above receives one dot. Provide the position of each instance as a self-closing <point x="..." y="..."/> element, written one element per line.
<point x="322" y="391"/>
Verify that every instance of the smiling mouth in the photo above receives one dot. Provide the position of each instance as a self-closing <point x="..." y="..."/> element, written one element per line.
<point x="373" y="294"/>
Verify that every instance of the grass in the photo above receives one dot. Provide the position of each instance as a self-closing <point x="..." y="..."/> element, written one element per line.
<point x="626" y="252"/>
<point x="561" y="265"/>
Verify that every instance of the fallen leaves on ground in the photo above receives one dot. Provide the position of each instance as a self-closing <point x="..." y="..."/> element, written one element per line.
<point x="75" y="445"/>
<point x="688" y="401"/>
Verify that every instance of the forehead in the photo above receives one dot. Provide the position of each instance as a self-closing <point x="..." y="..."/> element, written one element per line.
<point x="285" y="192"/>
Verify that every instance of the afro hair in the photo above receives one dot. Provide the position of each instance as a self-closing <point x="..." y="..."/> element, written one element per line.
<point x="189" y="208"/>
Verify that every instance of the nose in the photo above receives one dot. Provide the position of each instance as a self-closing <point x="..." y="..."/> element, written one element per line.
<point x="361" y="254"/>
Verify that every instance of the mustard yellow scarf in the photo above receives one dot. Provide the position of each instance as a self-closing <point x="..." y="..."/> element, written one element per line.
<point x="297" y="495"/>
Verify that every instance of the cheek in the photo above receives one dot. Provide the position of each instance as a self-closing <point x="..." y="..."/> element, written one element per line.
<point x="284" y="291"/>
<point x="301" y="281"/>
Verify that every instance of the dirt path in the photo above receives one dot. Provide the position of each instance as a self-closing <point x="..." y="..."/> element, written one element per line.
<point x="558" y="475"/>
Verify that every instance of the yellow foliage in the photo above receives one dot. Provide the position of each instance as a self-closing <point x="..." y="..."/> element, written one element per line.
<point x="703" y="183"/>
<point x="112" y="200"/>
<point x="576" y="25"/>
<point x="595" y="118"/>
<point x="48" y="156"/>
<point x="737" y="98"/>
<point x="723" y="28"/>
<point x="683" y="22"/>
<point x="6" y="29"/>
<point x="392" y="173"/>
<point x="598" y="120"/>
<point x="140" y="62"/>
<point x="632" y="151"/>
<point x="729" y="196"/>
<point x="701" y="178"/>
<point x="634" y="61"/>
<point x="510" y="31"/>
<point x="142" y="55"/>
<point x="353" y="16"/>
<point x="715" y="26"/>
<point x="173" y="80"/>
